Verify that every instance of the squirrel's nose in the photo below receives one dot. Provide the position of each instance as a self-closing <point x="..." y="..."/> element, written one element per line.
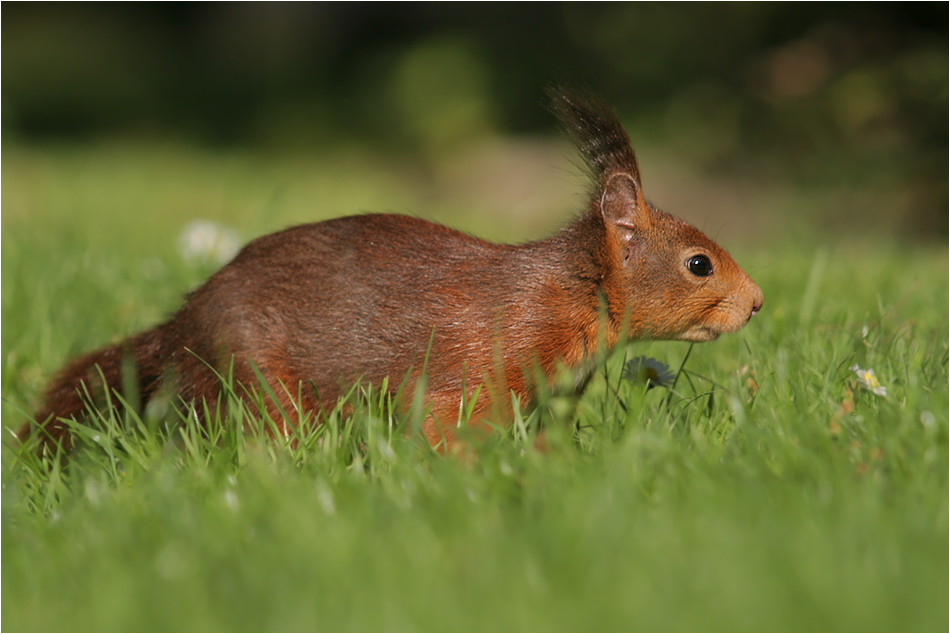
<point x="758" y="299"/>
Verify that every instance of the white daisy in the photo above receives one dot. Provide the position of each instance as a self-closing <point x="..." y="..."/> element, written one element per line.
<point x="868" y="380"/>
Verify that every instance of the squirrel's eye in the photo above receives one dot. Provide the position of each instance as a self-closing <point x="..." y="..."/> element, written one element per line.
<point x="699" y="265"/>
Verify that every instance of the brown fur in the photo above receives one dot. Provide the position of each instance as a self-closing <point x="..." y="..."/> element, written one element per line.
<point x="321" y="306"/>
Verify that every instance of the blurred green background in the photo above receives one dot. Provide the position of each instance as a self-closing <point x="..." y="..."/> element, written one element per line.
<point x="828" y="121"/>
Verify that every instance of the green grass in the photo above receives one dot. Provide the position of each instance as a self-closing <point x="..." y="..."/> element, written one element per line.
<point x="769" y="491"/>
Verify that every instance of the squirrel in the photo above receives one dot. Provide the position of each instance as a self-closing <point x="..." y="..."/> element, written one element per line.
<point x="316" y="308"/>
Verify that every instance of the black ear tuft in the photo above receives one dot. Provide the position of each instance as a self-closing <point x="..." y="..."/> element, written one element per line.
<point x="597" y="133"/>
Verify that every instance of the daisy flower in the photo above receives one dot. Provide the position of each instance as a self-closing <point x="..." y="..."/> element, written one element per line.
<point x="868" y="380"/>
<point x="649" y="371"/>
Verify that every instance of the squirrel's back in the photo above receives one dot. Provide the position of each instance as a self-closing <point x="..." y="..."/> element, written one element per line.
<point x="374" y="296"/>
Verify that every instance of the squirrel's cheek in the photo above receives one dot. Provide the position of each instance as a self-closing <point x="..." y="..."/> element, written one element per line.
<point x="635" y="253"/>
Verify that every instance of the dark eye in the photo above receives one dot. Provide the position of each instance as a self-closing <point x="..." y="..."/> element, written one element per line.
<point x="699" y="265"/>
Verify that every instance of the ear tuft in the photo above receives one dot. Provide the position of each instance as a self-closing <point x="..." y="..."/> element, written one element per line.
<point x="597" y="133"/>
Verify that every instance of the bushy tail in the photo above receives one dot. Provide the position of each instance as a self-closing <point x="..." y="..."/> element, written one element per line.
<point x="132" y="368"/>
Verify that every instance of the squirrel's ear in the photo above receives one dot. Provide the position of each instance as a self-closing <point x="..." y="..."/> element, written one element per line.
<point x="622" y="205"/>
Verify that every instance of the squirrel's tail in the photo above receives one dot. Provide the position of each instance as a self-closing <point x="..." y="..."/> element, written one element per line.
<point x="132" y="368"/>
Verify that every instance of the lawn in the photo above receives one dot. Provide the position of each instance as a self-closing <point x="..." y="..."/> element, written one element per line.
<point x="770" y="489"/>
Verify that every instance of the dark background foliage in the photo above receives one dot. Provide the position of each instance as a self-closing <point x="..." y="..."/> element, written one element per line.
<point x="813" y="94"/>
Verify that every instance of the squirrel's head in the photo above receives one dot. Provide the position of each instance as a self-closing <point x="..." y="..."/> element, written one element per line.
<point x="672" y="281"/>
<point x="676" y="283"/>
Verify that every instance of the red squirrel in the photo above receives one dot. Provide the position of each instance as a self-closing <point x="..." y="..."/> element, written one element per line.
<point x="315" y="308"/>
